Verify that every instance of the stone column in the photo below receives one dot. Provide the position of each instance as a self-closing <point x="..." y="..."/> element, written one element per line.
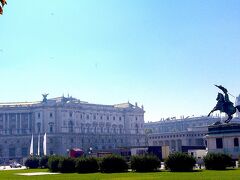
<point x="4" y="124"/>
<point x="20" y="126"/>
<point x="16" y="120"/>
<point x="8" y="123"/>
<point x="29" y="124"/>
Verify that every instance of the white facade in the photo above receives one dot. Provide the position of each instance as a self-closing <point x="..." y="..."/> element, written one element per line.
<point x="68" y="123"/>
<point x="224" y="138"/>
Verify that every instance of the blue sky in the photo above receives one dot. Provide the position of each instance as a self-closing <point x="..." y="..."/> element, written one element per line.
<point x="165" y="55"/>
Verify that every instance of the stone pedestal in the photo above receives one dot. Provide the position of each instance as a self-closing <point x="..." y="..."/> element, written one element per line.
<point x="224" y="138"/>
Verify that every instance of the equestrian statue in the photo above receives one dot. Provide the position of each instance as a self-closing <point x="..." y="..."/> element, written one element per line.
<point x="224" y="104"/>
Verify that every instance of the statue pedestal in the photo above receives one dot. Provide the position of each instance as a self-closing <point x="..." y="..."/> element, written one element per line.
<point x="224" y="138"/>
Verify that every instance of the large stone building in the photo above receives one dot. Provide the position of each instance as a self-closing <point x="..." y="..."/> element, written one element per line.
<point x="69" y="123"/>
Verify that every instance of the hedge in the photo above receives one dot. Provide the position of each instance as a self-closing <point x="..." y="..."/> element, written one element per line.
<point x="43" y="162"/>
<point x="87" y="165"/>
<point x="145" y="163"/>
<point x="53" y="162"/>
<point x="66" y="165"/>
<point x="113" y="163"/>
<point x="180" y="162"/>
<point x="32" y="162"/>
<point x="217" y="161"/>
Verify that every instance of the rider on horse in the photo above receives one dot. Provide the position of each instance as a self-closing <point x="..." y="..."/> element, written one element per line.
<point x="227" y="105"/>
<point x="224" y="104"/>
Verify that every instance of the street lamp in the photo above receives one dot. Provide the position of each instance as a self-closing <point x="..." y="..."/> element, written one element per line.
<point x="90" y="150"/>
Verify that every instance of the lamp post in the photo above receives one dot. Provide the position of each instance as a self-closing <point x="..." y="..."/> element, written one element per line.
<point x="90" y="150"/>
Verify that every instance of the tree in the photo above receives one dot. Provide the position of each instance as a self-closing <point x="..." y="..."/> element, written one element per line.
<point x="3" y="2"/>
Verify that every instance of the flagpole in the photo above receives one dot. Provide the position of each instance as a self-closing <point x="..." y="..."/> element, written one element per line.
<point x="31" y="147"/>
<point x="45" y="144"/>
<point x="38" y="153"/>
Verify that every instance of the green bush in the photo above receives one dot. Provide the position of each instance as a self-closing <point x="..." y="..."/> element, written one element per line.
<point x="239" y="161"/>
<point x="86" y="165"/>
<point x="113" y="163"/>
<point x="43" y="162"/>
<point x="146" y="163"/>
<point x="67" y="165"/>
<point x="32" y="162"/>
<point x="217" y="161"/>
<point x="53" y="162"/>
<point x="180" y="162"/>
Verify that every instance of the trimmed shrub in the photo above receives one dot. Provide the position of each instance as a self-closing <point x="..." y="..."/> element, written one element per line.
<point x="217" y="161"/>
<point x="53" y="162"/>
<point x="145" y="163"/>
<point x="238" y="161"/>
<point x="180" y="162"/>
<point x="113" y="163"/>
<point x="32" y="162"/>
<point x="67" y="165"/>
<point x="43" y="162"/>
<point x="87" y="165"/>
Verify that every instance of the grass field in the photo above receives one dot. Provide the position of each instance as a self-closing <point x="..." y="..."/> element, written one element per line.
<point x="205" y="174"/>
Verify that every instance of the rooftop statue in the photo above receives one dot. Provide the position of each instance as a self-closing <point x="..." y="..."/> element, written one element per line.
<point x="224" y="104"/>
<point x="44" y="97"/>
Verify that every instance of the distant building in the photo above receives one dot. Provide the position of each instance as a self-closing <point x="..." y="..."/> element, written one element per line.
<point x="179" y="134"/>
<point x="224" y="138"/>
<point x="69" y="123"/>
<point x="236" y="104"/>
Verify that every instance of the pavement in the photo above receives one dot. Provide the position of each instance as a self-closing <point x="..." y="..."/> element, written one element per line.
<point x="9" y="168"/>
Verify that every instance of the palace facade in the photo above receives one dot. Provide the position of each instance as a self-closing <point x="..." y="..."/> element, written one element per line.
<point x="69" y="123"/>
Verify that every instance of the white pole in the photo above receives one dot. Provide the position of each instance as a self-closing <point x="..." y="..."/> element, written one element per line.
<point x="45" y="144"/>
<point x="31" y="147"/>
<point x="38" y="153"/>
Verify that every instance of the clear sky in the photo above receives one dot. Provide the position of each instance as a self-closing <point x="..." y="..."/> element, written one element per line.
<point x="164" y="54"/>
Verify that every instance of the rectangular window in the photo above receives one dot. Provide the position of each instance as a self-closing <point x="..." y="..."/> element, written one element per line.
<point x="219" y="143"/>
<point x="25" y="152"/>
<point x="236" y="142"/>
<point x="12" y="152"/>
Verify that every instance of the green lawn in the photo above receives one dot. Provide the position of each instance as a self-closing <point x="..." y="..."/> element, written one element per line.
<point x="205" y="174"/>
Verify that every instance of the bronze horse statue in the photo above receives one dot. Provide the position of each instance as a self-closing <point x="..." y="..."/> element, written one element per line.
<point x="226" y="106"/>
